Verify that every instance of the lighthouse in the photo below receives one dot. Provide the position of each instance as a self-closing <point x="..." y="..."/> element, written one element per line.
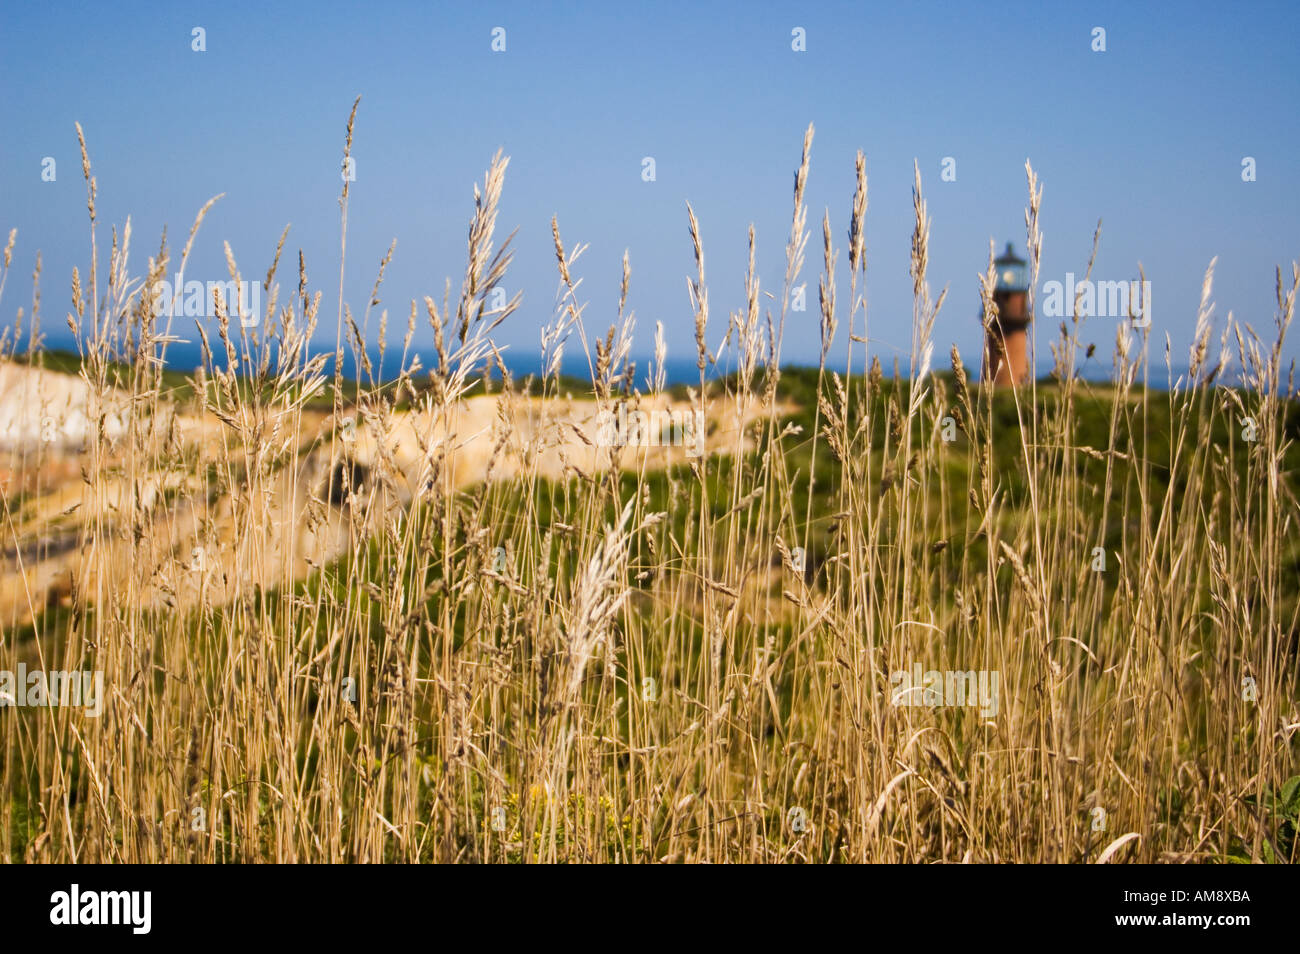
<point x="1005" y="359"/>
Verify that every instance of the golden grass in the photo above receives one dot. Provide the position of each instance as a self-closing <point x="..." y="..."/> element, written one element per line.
<point x="313" y="649"/>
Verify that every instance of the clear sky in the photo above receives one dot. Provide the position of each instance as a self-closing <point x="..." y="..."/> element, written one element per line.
<point x="1148" y="136"/>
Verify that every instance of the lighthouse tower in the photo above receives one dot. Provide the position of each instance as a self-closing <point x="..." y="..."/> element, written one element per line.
<point x="1005" y="360"/>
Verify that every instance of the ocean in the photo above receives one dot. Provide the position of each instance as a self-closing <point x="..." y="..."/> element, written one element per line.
<point x="187" y="355"/>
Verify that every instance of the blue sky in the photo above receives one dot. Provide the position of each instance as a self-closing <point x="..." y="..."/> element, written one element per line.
<point x="1148" y="136"/>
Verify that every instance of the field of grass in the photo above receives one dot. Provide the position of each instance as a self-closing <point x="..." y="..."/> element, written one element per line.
<point x="684" y="659"/>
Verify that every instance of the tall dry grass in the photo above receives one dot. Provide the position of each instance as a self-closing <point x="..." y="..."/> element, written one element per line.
<point x="649" y="674"/>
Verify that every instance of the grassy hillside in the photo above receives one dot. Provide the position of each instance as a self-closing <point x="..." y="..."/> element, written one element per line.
<point x="681" y="659"/>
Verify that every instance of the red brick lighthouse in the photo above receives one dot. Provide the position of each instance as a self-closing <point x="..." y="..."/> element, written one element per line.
<point x="1005" y="359"/>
